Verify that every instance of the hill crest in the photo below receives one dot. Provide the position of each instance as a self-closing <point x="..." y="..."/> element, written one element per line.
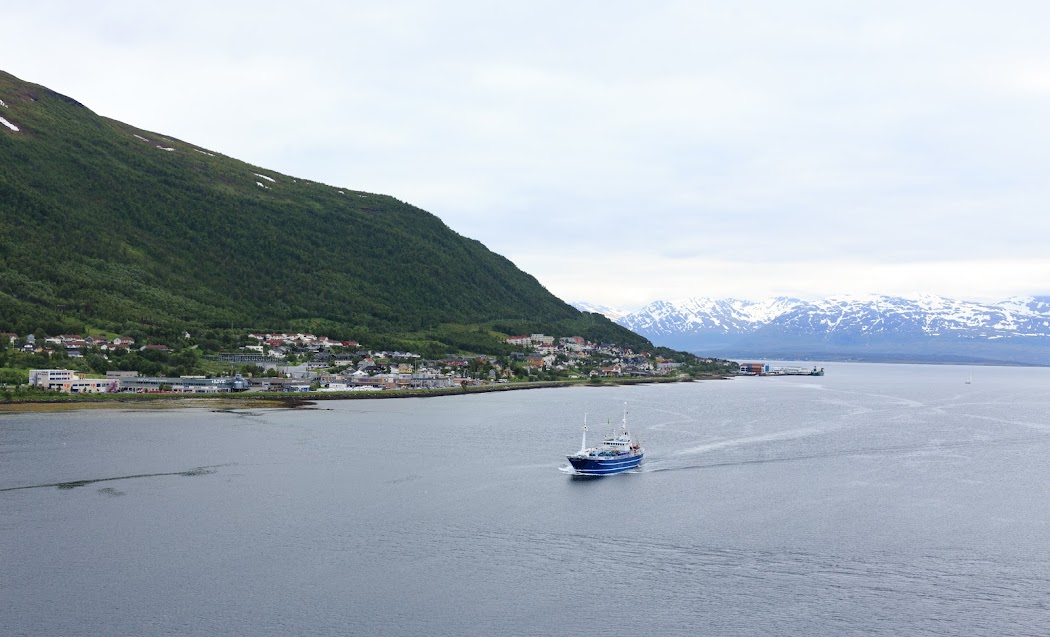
<point x="110" y="227"/>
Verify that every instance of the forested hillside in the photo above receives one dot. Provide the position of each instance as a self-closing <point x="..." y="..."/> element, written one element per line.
<point x="104" y="226"/>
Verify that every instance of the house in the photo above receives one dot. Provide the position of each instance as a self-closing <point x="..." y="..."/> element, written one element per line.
<point x="573" y="343"/>
<point x="44" y="377"/>
<point x="541" y="360"/>
<point x="66" y="381"/>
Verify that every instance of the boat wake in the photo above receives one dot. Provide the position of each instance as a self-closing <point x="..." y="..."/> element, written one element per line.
<point x="791" y="434"/>
<point x="672" y="463"/>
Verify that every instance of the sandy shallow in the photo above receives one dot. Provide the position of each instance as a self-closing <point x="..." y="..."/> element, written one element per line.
<point x="167" y="403"/>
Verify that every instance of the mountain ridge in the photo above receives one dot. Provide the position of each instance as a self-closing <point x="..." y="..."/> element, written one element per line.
<point x="105" y="226"/>
<point x="921" y="327"/>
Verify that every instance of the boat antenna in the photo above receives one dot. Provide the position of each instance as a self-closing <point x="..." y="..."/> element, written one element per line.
<point x="625" y="417"/>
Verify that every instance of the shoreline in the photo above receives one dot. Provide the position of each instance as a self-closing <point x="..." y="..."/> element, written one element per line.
<point x="274" y="400"/>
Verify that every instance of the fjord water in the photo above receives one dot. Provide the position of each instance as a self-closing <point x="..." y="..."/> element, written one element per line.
<point x="878" y="499"/>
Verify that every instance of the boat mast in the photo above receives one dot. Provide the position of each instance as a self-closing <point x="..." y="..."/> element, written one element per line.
<point x="625" y="417"/>
<point x="583" y="447"/>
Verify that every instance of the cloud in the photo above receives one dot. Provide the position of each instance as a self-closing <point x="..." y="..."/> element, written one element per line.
<point x="634" y="282"/>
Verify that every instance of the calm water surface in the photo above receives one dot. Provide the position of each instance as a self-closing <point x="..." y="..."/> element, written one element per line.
<point x="879" y="499"/>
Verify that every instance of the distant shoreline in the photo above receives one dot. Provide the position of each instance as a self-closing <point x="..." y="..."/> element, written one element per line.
<point x="290" y="400"/>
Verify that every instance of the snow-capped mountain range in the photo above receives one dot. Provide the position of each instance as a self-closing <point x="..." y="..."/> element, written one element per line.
<point x="871" y="327"/>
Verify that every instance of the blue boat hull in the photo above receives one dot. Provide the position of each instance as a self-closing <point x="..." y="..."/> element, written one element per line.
<point x="601" y="466"/>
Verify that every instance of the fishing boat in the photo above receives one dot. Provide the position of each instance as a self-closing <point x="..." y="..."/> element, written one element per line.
<point x="617" y="453"/>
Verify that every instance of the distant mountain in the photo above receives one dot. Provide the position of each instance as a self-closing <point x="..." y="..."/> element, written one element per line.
<point x="104" y="226"/>
<point x="604" y="310"/>
<point x="924" y="328"/>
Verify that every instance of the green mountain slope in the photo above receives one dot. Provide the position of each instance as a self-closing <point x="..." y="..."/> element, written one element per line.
<point x="115" y="227"/>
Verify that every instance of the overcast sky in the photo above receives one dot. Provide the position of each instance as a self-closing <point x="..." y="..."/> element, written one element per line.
<point x="620" y="152"/>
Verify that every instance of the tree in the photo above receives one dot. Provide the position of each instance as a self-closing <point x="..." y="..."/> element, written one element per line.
<point x="96" y="362"/>
<point x="14" y="377"/>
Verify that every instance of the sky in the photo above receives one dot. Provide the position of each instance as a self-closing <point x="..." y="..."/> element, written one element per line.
<point x="620" y="152"/>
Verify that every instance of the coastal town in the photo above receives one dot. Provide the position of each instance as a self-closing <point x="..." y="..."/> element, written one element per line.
<point x="304" y="362"/>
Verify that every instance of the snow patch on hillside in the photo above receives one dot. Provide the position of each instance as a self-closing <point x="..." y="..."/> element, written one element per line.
<point x="262" y="185"/>
<point x="164" y="147"/>
<point x="141" y="137"/>
<point x="767" y="310"/>
<point x="8" y="124"/>
<point x="203" y="152"/>
<point x="269" y="179"/>
<point x="3" y="104"/>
